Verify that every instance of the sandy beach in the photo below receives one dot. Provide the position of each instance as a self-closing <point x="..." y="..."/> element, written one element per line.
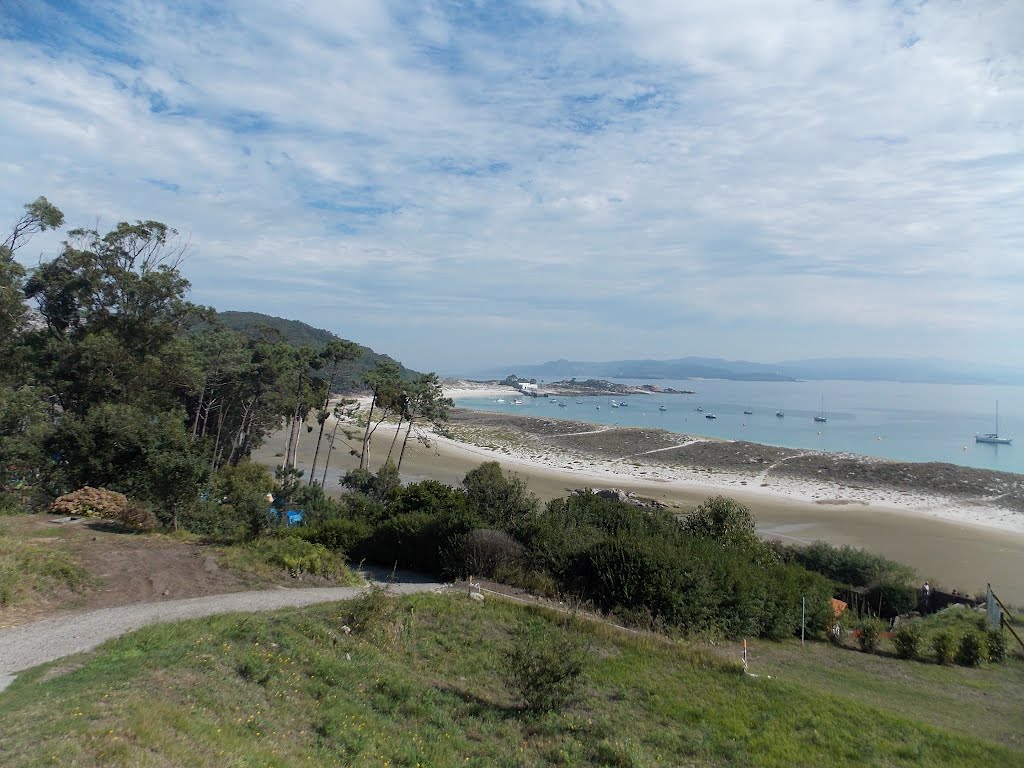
<point x="946" y="525"/>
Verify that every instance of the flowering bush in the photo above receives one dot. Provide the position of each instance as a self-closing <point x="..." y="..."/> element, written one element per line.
<point x="103" y="504"/>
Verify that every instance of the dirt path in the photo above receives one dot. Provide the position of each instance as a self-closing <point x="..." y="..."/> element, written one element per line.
<point x="36" y="643"/>
<point x="139" y="579"/>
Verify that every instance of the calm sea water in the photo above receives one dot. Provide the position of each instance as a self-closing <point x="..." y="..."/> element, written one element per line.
<point x="908" y="422"/>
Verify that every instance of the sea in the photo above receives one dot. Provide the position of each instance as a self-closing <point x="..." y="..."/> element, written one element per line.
<point x="892" y="420"/>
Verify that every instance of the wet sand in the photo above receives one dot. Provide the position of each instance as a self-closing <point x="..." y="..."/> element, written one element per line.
<point x="947" y="553"/>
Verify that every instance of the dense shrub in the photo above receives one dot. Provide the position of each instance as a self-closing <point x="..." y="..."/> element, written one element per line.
<point x="146" y="454"/>
<point x="996" y="642"/>
<point x="908" y="639"/>
<point x="892" y="598"/>
<point x="431" y="497"/>
<point x="91" y="502"/>
<point x="944" y="645"/>
<point x="721" y="518"/>
<point x="544" y="666"/>
<point x="384" y="486"/>
<point x="237" y="506"/>
<point x="222" y="522"/>
<point x="298" y="556"/>
<point x="702" y="586"/>
<point x="359" y="506"/>
<point x="421" y="541"/>
<point x="339" y="534"/>
<point x="317" y="507"/>
<point x="487" y="552"/>
<point x="972" y="650"/>
<point x="499" y="500"/>
<point x="846" y="565"/>
<point x="868" y="634"/>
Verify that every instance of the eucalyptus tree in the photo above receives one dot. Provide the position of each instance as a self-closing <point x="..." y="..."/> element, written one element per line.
<point x="426" y="402"/>
<point x="385" y="383"/>
<point x="336" y="351"/>
<point x="114" y="307"/>
<point x="40" y="215"/>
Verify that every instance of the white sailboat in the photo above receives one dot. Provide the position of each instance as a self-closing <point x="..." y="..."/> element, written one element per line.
<point x="821" y="412"/>
<point x="993" y="437"/>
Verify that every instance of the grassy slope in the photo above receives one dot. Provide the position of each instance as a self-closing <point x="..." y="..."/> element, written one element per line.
<point x="32" y="572"/>
<point x="420" y="684"/>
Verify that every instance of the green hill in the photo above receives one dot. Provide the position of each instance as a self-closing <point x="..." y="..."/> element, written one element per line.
<point x="299" y="334"/>
<point x="422" y="681"/>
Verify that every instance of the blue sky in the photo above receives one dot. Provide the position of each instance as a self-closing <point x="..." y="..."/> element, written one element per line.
<point x="464" y="184"/>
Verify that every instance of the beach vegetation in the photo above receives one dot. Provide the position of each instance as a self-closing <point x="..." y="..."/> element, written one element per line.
<point x="499" y="499"/>
<point x="869" y="632"/>
<point x="908" y="639"/>
<point x="944" y="645"/>
<point x="544" y="664"/>
<point x="995" y="640"/>
<point x="846" y="565"/>
<point x="972" y="649"/>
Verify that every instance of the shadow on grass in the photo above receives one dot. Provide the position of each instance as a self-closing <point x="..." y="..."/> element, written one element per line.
<point x="481" y="707"/>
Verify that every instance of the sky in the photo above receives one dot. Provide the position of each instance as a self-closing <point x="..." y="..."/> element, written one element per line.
<point x="467" y="184"/>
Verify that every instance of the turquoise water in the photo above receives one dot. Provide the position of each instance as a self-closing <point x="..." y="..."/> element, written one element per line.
<point x="908" y="422"/>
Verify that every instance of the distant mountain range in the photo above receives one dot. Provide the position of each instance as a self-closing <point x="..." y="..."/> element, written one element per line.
<point x="853" y="369"/>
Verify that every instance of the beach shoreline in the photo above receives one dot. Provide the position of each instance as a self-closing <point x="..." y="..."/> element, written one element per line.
<point x="948" y="541"/>
<point x="758" y="471"/>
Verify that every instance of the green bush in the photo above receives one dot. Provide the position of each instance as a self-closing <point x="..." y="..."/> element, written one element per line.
<point x="486" y="551"/>
<point x="944" y="645"/>
<point x="544" y="666"/>
<point x="892" y="598"/>
<point x="374" y="615"/>
<point x="972" y="650"/>
<point x="340" y="535"/>
<point x="294" y="554"/>
<point x="846" y="564"/>
<point x="996" y="641"/>
<point x="498" y="500"/>
<point x="868" y="635"/>
<point x="218" y="521"/>
<point x="908" y="639"/>
<point x="422" y="542"/>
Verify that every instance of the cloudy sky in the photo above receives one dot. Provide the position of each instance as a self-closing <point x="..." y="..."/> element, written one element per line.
<point x="468" y="183"/>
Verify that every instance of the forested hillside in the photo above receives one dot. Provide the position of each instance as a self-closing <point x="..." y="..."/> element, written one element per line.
<point x="299" y="334"/>
<point x="114" y="379"/>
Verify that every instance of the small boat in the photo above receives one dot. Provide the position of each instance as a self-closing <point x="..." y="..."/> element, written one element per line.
<point x="623" y="403"/>
<point x="500" y="400"/>
<point x="614" y="404"/>
<point x="662" y="408"/>
<point x="699" y="408"/>
<point x="710" y="416"/>
<point x="779" y="415"/>
<point x="517" y="401"/>
<point x="563" y="404"/>
<point x="579" y="400"/>
<point x="747" y="411"/>
<point x="820" y="418"/>
<point x="598" y="407"/>
<point x="993" y="438"/>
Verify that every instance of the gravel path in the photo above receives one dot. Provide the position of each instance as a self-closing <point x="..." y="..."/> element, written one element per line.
<point x="39" y="642"/>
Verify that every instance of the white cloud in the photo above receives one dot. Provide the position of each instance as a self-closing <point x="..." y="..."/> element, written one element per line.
<point x="595" y="166"/>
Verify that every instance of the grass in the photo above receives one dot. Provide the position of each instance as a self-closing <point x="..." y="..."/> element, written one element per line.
<point x="267" y="555"/>
<point x="32" y="572"/>
<point x="419" y="682"/>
